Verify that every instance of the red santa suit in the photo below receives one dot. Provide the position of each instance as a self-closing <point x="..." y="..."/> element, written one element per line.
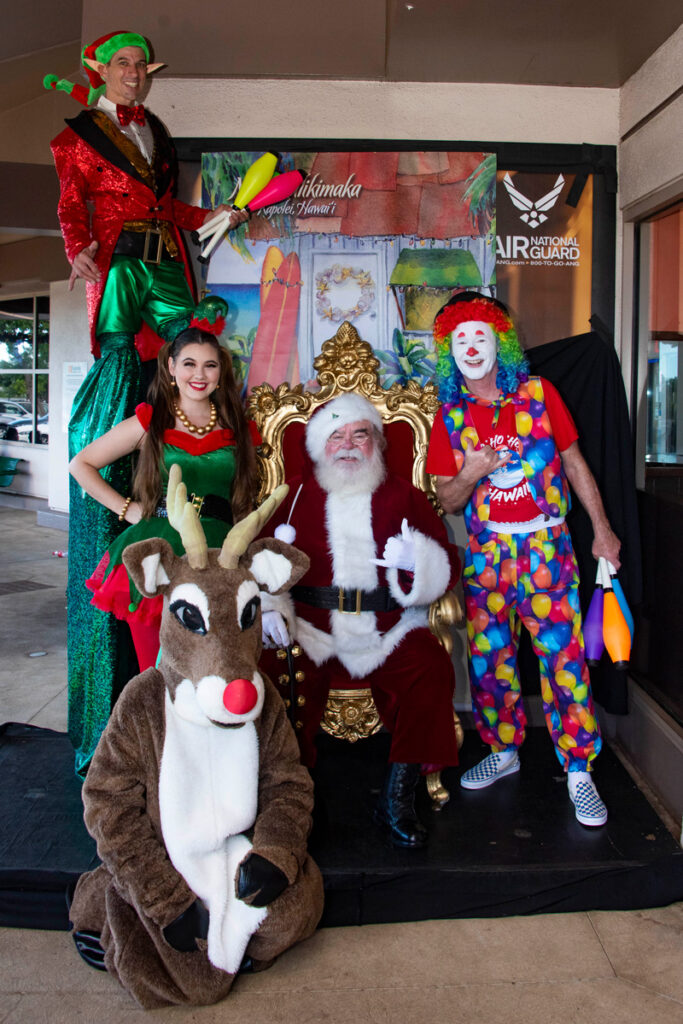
<point x="391" y="651"/>
<point x="102" y="170"/>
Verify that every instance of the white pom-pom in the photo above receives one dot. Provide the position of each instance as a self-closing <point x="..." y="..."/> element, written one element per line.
<point x="285" y="532"/>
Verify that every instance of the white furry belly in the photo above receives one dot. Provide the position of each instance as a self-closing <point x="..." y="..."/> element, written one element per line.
<point x="208" y="796"/>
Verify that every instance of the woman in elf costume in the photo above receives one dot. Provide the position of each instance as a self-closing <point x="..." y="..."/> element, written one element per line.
<point x="194" y="419"/>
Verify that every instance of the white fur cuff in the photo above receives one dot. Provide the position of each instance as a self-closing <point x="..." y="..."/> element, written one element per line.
<point x="431" y="577"/>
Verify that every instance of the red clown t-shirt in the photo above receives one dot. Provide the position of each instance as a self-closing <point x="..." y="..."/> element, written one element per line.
<point x="512" y="507"/>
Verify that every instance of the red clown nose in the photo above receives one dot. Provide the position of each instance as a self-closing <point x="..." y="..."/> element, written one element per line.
<point x="240" y="696"/>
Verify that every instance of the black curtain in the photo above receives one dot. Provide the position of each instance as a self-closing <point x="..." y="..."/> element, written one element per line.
<point x="587" y="373"/>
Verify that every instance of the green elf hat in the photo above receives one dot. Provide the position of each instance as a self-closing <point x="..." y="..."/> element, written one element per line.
<point x="99" y="52"/>
<point x="208" y="315"/>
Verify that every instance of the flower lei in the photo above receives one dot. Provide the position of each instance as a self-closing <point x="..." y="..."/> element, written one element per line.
<point x="337" y="274"/>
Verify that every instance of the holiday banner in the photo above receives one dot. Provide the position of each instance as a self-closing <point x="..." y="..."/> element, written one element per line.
<point x="381" y="239"/>
<point x="544" y="246"/>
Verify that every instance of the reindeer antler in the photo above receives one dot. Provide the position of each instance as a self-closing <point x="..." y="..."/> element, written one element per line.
<point x="241" y="535"/>
<point x="183" y="517"/>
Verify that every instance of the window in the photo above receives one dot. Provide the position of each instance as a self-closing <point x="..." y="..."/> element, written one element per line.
<point x="661" y="334"/>
<point x="24" y="364"/>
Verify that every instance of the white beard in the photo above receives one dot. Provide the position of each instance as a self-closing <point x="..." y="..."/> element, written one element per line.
<point x="354" y="475"/>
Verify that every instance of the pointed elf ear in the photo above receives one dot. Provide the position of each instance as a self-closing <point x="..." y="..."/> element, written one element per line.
<point x="94" y="64"/>
<point x="151" y="68"/>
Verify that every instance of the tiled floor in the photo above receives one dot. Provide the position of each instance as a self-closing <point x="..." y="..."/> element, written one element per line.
<point x="588" y="968"/>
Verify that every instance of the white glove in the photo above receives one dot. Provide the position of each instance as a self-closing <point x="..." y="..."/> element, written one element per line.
<point x="399" y="551"/>
<point x="274" y="630"/>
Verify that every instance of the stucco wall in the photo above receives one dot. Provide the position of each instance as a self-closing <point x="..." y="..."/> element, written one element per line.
<point x="380" y="110"/>
<point x="272" y="108"/>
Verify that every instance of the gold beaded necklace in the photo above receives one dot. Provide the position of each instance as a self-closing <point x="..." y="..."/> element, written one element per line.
<point x="192" y="427"/>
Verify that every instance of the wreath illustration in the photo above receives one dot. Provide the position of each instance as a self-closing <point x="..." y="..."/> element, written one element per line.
<point x="337" y="274"/>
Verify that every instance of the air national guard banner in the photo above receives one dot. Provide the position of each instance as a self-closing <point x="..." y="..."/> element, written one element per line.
<point x="381" y="239"/>
<point x="544" y="248"/>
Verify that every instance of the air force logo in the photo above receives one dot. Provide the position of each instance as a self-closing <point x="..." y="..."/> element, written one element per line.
<point x="534" y="212"/>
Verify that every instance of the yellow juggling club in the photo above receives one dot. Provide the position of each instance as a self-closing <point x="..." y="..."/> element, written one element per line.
<point x="256" y="179"/>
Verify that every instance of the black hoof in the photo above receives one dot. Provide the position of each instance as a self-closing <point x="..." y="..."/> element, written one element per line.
<point x="89" y="949"/>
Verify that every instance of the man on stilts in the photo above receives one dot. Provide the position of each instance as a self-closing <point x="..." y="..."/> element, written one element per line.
<point x="121" y="225"/>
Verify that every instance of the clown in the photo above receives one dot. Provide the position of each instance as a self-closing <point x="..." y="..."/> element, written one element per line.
<point x="121" y="225"/>
<point x="504" y="449"/>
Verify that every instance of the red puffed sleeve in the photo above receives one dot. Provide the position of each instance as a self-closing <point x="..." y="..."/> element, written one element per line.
<point x="143" y="411"/>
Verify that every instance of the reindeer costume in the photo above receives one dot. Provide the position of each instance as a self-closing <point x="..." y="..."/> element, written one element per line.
<point x="195" y="794"/>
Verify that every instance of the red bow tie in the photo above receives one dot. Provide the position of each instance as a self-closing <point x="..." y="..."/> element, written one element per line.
<point x="128" y="114"/>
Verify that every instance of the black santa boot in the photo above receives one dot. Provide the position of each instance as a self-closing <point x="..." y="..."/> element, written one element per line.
<point x="395" y="809"/>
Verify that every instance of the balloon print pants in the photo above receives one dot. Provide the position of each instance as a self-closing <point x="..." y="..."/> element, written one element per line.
<point x="530" y="579"/>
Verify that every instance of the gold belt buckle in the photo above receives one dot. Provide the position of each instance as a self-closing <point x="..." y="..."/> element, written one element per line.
<point x="197" y="501"/>
<point x="146" y="257"/>
<point x="341" y="607"/>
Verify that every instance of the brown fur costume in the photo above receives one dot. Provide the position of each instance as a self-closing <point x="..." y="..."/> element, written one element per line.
<point x="136" y="892"/>
<point x="183" y="768"/>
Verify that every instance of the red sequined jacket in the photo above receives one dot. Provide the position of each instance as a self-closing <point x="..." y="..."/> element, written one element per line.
<point x="105" y="181"/>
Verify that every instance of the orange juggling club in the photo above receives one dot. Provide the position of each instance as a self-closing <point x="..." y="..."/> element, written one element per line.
<point x="615" y="631"/>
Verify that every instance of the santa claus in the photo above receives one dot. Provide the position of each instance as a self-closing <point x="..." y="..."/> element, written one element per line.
<point x="379" y="556"/>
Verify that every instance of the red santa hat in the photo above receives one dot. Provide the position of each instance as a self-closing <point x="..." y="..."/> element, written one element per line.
<point x="348" y="408"/>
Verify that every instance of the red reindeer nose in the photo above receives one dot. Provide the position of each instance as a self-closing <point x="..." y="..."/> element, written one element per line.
<point x="240" y="696"/>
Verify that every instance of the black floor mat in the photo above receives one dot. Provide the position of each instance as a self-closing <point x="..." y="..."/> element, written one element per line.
<point x="514" y="848"/>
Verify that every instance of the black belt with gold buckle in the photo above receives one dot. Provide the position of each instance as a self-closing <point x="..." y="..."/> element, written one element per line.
<point x="352" y="602"/>
<point x="210" y="506"/>
<point x="147" y="246"/>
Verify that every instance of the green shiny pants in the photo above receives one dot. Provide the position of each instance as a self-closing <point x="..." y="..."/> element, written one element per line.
<point x="99" y="648"/>
<point x="157" y="293"/>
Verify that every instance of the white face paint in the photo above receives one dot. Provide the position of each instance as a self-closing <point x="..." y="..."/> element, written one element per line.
<point x="475" y="349"/>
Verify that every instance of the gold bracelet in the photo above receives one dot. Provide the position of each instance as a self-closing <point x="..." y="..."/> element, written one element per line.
<point x="122" y="513"/>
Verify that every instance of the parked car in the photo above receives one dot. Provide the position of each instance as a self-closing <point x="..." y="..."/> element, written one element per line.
<point x="22" y="430"/>
<point x="11" y="410"/>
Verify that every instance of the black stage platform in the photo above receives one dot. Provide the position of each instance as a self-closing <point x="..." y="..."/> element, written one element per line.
<point x="515" y="848"/>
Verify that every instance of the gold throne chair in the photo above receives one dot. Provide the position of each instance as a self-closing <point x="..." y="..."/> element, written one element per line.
<point x="346" y="363"/>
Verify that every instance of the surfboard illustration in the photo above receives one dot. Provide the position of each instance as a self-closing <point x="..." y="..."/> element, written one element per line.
<point x="274" y="356"/>
<point x="271" y="264"/>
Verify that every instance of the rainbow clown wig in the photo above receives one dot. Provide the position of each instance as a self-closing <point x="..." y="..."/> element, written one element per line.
<point x="513" y="368"/>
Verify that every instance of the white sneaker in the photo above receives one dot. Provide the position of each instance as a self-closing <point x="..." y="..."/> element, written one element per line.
<point x="588" y="807"/>
<point x="492" y="768"/>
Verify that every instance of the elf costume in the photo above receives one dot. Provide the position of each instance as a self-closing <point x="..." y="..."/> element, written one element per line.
<point x="117" y="188"/>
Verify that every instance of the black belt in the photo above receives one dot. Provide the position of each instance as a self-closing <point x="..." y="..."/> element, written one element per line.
<point x="350" y="601"/>
<point x="147" y="246"/>
<point x="211" y="506"/>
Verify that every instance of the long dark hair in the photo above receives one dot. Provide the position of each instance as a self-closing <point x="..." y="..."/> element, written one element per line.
<point x="147" y="485"/>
